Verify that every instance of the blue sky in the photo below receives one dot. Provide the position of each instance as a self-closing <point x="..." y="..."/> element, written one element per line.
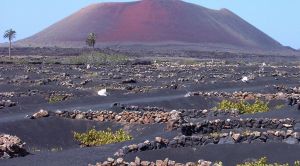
<point x="277" y="18"/>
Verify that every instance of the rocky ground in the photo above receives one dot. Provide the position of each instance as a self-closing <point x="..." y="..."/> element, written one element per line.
<point x="167" y="105"/>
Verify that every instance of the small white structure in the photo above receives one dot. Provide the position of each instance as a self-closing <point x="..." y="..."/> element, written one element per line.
<point x="102" y="92"/>
<point x="88" y="66"/>
<point x="188" y="94"/>
<point x="245" y="79"/>
<point x="264" y="64"/>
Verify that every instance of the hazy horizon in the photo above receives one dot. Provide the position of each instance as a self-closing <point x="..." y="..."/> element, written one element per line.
<point x="275" y="18"/>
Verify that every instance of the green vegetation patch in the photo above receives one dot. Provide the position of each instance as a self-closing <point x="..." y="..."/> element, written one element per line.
<point x="96" y="58"/>
<point x="244" y="107"/>
<point x="56" y="98"/>
<point x="96" y="138"/>
<point x="279" y="106"/>
<point x="264" y="162"/>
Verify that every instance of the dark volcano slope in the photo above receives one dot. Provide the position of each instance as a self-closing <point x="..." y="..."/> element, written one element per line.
<point x="153" y="21"/>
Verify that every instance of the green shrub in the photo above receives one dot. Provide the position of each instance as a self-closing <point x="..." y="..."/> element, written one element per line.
<point x="279" y="106"/>
<point x="244" y="107"/>
<point x="264" y="162"/>
<point x="15" y="60"/>
<point x="96" y="58"/>
<point x="56" y="98"/>
<point x="95" y="138"/>
<point x="218" y="163"/>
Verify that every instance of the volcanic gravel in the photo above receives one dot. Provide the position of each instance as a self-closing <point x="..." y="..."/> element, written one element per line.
<point x="164" y="85"/>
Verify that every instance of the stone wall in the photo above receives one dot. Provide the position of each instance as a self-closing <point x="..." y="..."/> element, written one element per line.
<point x="141" y="115"/>
<point x="218" y="125"/>
<point x="165" y="162"/>
<point x="147" y="117"/>
<point x="176" y="119"/>
<point x="7" y="103"/>
<point x="245" y="95"/>
<point x="278" y="136"/>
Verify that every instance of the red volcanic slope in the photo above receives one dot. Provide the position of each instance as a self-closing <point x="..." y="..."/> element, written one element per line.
<point x="152" y="21"/>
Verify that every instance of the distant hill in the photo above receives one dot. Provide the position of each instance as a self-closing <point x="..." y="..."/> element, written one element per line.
<point x="153" y="22"/>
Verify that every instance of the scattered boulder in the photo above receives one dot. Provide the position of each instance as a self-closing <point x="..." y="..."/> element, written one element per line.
<point x="236" y="136"/>
<point x="11" y="146"/>
<point x="79" y="116"/>
<point x="41" y="114"/>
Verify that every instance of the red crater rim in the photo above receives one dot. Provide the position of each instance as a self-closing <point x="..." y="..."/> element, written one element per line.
<point x="153" y="21"/>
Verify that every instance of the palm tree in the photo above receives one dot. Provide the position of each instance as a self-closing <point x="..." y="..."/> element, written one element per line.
<point x="10" y="35"/>
<point x="91" y="40"/>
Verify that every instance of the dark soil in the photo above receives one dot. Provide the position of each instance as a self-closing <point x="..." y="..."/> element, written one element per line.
<point x="161" y="84"/>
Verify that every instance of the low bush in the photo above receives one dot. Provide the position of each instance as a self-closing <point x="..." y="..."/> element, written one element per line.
<point x="95" y="138"/>
<point x="244" y="107"/>
<point x="56" y="98"/>
<point x="279" y="106"/>
<point x="264" y="162"/>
